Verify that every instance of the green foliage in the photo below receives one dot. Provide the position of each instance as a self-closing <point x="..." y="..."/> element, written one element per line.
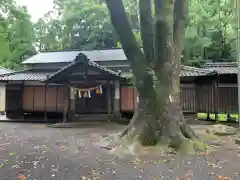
<point x="81" y="24"/>
<point x="16" y="34"/>
<point x="210" y="32"/>
<point x="84" y="24"/>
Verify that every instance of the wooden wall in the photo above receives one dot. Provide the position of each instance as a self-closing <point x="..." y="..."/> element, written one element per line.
<point x="188" y="98"/>
<point x="128" y="97"/>
<point x="13" y="99"/>
<point x="39" y="99"/>
<point x="206" y="98"/>
<point x="227" y="98"/>
<point x="217" y="94"/>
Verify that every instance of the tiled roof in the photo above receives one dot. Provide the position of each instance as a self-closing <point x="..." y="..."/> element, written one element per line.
<point x="103" y="68"/>
<point x="69" y="56"/>
<point x="4" y="71"/>
<point x="118" y="54"/>
<point x="26" y="76"/>
<point x="222" y="68"/>
<point x="188" y="71"/>
<point x="90" y="63"/>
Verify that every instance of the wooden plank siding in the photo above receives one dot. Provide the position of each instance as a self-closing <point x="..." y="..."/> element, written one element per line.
<point x="127" y="98"/>
<point x="228" y="99"/>
<point x="205" y="98"/>
<point x="222" y="99"/>
<point x="188" y="98"/>
<point x="34" y="99"/>
<point x="188" y="102"/>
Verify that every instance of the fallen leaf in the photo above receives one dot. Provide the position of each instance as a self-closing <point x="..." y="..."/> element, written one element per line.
<point x="2" y="166"/>
<point x="203" y="153"/>
<point x="21" y="177"/>
<point x="12" y="154"/>
<point x="84" y="178"/>
<point x="165" y="161"/>
<point x="222" y="177"/>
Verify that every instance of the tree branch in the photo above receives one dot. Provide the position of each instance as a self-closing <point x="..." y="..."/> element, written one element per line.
<point x="146" y="24"/>
<point x="163" y="34"/>
<point x="179" y="22"/>
<point x="179" y="16"/>
<point x="123" y="28"/>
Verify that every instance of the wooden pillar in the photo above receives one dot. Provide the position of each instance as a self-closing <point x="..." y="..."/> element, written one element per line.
<point x="116" y="106"/>
<point x="45" y="101"/>
<point x="109" y="98"/>
<point x="21" y="100"/>
<point x="216" y="96"/>
<point x="72" y="100"/>
<point x="69" y="104"/>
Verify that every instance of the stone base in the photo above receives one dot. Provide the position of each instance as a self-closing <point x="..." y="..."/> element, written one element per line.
<point x="91" y="117"/>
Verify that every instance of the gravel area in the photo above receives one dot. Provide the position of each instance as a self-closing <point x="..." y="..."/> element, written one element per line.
<point x="37" y="152"/>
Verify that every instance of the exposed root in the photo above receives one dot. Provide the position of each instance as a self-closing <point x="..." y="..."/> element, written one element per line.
<point x="185" y="145"/>
<point x="187" y="131"/>
<point x="185" y="141"/>
<point x="177" y="144"/>
<point x="124" y="132"/>
<point x="168" y="130"/>
<point x="133" y="121"/>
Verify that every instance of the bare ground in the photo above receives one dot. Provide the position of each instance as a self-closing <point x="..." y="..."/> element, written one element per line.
<point x="35" y="151"/>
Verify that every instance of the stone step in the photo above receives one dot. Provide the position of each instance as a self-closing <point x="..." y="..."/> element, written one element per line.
<point x="91" y="117"/>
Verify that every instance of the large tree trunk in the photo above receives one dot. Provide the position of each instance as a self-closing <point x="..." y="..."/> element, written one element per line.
<point x="158" y="116"/>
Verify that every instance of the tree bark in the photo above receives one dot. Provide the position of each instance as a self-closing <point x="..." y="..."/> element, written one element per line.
<point x="158" y="115"/>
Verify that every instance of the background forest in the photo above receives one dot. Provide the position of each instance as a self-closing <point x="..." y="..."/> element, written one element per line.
<point x="85" y="25"/>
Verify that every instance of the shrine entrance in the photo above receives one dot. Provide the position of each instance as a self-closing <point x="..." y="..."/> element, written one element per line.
<point x="91" y="101"/>
<point x="91" y="86"/>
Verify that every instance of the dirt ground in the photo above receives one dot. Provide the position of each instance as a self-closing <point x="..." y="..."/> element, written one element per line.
<point x="37" y="152"/>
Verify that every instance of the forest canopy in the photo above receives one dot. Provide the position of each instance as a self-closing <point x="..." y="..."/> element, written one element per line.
<point x="85" y="25"/>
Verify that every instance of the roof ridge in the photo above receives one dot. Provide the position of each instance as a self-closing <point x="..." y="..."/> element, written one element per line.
<point x="81" y="50"/>
<point x="194" y="68"/>
<point x="89" y="63"/>
<point x="220" y="64"/>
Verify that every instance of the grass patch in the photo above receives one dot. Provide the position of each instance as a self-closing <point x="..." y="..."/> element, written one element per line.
<point x="222" y="117"/>
<point x="233" y="117"/>
<point x="202" y="116"/>
<point x="212" y="117"/>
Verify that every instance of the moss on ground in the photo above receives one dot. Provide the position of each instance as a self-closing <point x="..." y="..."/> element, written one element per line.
<point x="209" y="137"/>
<point x="199" y="145"/>
<point x="188" y="146"/>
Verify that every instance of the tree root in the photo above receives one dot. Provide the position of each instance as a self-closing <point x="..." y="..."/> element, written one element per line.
<point x="185" y="141"/>
<point x="188" y="132"/>
<point x="132" y="122"/>
<point x="176" y="135"/>
<point x="186" y="145"/>
<point x="177" y="144"/>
